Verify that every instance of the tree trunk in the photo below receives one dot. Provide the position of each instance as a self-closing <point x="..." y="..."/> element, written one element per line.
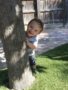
<point x="13" y="38"/>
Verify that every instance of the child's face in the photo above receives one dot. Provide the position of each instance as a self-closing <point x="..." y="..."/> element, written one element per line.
<point x="33" y="29"/>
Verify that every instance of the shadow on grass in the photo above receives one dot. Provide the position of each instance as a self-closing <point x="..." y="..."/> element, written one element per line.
<point x="41" y="68"/>
<point x="65" y="72"/>
<point x="58" y="53"/>
<point x="4" y="81"/>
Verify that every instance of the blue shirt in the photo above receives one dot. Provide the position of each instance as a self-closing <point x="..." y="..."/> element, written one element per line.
<point x="34" y="41"/>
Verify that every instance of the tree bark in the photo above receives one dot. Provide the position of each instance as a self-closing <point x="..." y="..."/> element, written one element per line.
<point x="13" y="37"/>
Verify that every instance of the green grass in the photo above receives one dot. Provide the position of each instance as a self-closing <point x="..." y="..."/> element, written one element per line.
<point x="52" y="68"/>
<point x="52" y="71"/>
<point x="3" y="80"/>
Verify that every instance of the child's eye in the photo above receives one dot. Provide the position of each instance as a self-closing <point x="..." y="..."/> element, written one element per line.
<point x="35" y="30"/>
<point x="31" y="26"/>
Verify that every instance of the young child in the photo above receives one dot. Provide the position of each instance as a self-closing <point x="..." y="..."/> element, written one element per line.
<point x="34" y="27"/>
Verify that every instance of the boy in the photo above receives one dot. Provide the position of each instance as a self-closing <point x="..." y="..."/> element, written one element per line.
<point x="35" y="27"/>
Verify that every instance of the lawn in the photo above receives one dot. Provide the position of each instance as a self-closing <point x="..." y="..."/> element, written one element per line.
<point x="52" y="68"/>
<point x="3" y="80"/>
<point x="52" y="71"/>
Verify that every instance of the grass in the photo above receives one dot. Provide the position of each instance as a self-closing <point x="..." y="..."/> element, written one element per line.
<point x="52" y="71"/>
<point x="3" y="80"/>
<point x="52" y="68"/>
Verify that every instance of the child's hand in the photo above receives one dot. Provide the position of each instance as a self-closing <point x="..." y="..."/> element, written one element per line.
<point x="30" y="45"/>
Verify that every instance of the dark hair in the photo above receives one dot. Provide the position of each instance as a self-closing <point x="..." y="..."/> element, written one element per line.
<point x="38" y="21"/>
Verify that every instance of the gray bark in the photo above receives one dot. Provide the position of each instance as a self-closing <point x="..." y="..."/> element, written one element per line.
<point x="13" y="38"/>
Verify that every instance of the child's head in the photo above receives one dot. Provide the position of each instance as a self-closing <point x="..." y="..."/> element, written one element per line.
<point x="35" y="26"/>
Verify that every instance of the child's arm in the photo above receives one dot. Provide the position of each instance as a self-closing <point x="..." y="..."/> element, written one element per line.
<point x="30" y="45"/>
